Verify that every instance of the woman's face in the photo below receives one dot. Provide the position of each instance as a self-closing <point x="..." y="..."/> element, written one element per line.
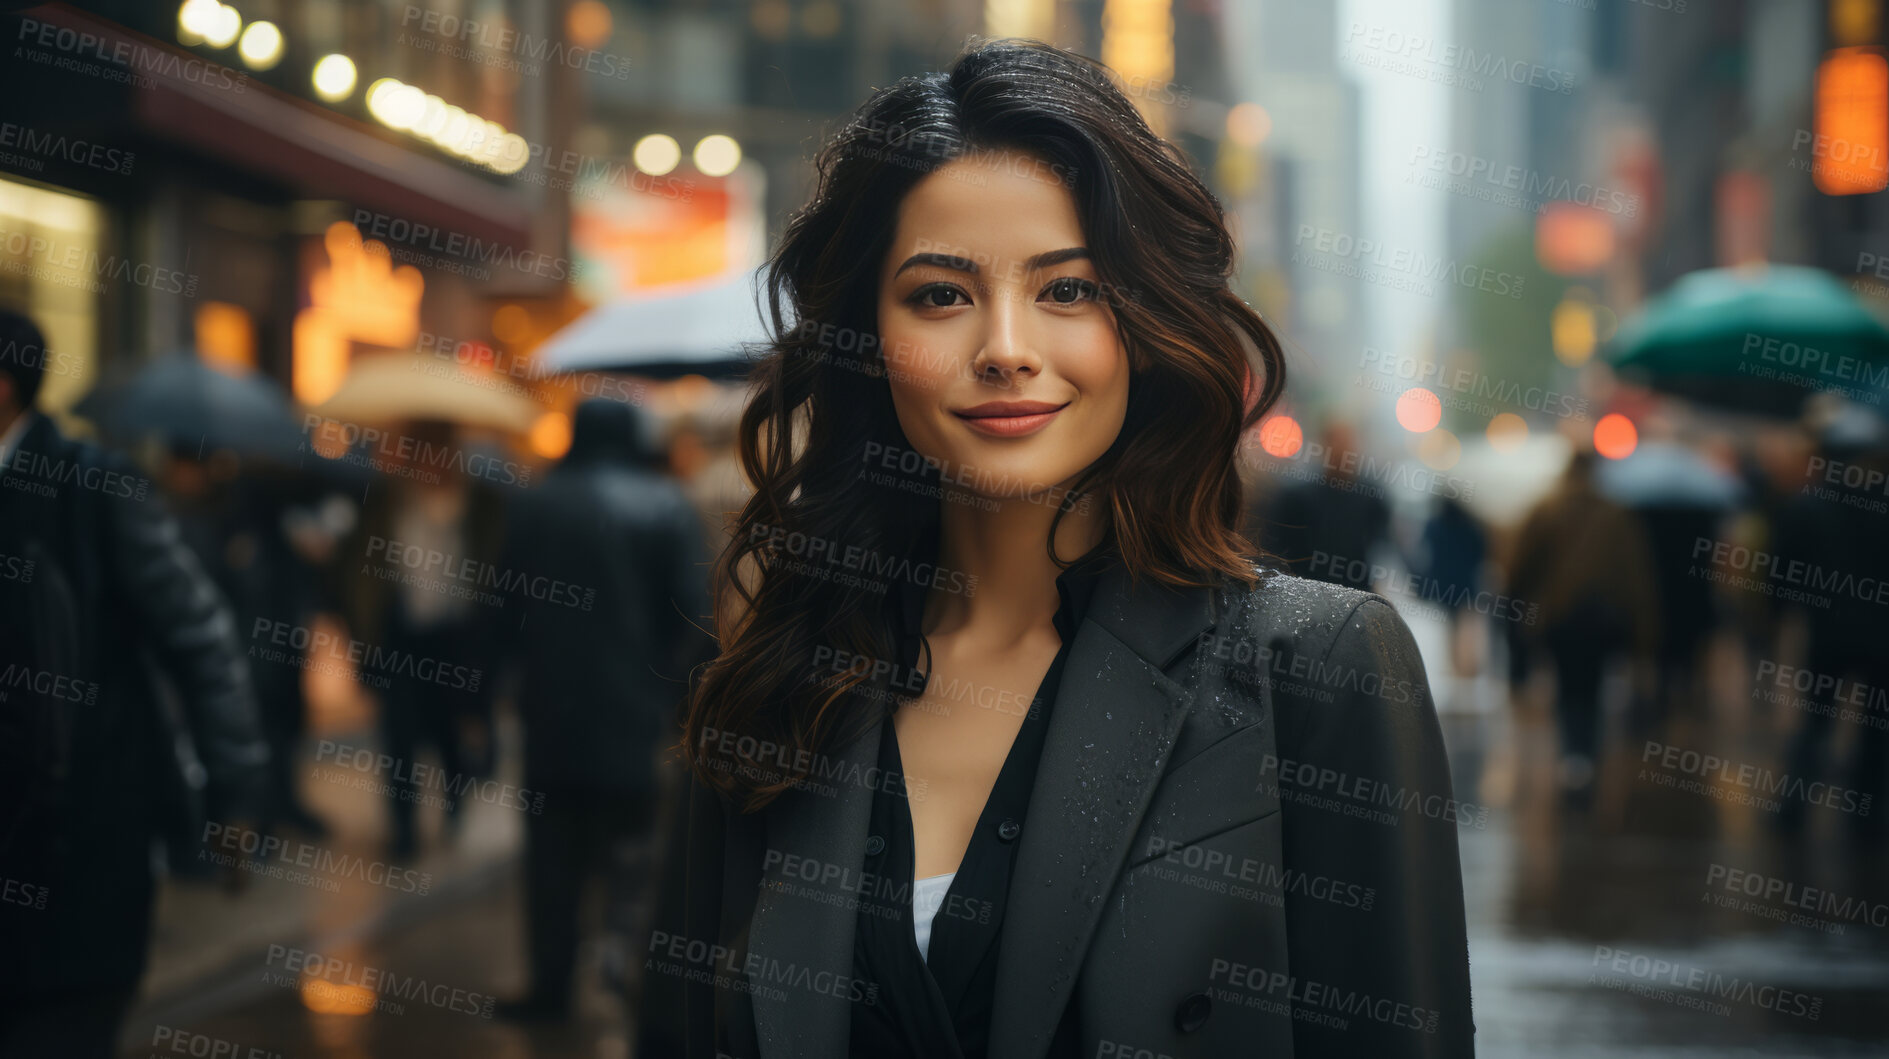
<point x="1005" y="367"/>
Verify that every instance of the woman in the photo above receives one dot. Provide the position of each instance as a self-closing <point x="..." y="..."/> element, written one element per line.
<point x="1010" y="751"/>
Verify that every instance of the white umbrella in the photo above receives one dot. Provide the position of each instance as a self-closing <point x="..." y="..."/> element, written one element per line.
<point x="1663" y="474"/>
<point x="703" y="329"/>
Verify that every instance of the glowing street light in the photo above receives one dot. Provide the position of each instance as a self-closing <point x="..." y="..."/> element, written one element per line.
<point x="717" y="155"/>
<point x="656" y="154"/>
<point x="261" y="46"/>
<point x="334" y="77"/>
<point x="222" y="26"/>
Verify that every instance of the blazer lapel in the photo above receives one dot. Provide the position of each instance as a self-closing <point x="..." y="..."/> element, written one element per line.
<point x="1114" y="720"/>
<point x="799" y="947"/>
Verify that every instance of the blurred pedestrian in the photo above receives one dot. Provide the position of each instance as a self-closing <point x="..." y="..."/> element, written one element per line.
<point x="96" y="582"/>
<point x="414" y="571"/>
<point x="1452" y="552"/>
<point x="1584" y="561"/>
<point x="1834" y="528"/>
<point x="238" y="525"/>
<point x="1330" y="526"/>
<point x="612" y="556"/>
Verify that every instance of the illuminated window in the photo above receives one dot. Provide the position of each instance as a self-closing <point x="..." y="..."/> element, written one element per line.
<point x="50" y="269"/>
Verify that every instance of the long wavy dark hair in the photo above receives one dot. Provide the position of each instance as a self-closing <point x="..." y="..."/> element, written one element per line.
<point x="758" y="722"/>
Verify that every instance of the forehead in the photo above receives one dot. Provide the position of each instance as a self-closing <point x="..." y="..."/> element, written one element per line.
<point x="1002" y="204"/>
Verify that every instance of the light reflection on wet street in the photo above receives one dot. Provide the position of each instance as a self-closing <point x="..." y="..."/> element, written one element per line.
<point x="1616" y="932"/>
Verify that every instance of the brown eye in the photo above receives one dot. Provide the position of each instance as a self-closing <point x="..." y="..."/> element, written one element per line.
<point x="935" y="296"/>
<point x="1069" y="290"/>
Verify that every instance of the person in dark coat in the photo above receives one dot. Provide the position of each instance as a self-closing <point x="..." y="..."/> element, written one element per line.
<point x="612" y="559"/>
<point x="416" y="584"/>
<point x="1835" y="527"/>
<point x="1585" y="561"/>
<point x="96" y="588"/>
<point x="1328" y="527"/>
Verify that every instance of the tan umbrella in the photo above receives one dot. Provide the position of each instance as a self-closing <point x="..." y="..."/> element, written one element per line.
<point x="390" y="387"/>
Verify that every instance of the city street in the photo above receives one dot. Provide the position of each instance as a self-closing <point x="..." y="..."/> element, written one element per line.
<point x="1566" y="918"/>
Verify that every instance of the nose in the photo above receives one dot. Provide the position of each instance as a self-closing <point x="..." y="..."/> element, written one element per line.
<point x="1009" y="348"/>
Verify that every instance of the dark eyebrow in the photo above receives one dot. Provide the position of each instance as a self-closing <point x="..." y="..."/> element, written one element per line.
<point x="965" y="264"/>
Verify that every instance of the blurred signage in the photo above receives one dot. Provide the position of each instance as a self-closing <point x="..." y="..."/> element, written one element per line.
<point x="632" y="236"/>
<point x="356" y="295"/>
<point x="1851" y="146"/>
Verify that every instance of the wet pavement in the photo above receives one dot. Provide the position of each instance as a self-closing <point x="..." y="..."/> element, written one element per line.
<point x="1660" y="922"/>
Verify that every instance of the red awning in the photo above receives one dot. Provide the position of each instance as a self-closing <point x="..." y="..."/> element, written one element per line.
<point x="294" y="141"/>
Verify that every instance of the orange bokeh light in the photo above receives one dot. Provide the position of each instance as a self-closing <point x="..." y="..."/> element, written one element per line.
<point x="1419" y="410"/>
<point x="1850" y="152"/>
<point x="1615" y="436"/>
<point x="1507" y="432"/>
<point x="1572" y="239"/>
<point x="1281" y="436"/>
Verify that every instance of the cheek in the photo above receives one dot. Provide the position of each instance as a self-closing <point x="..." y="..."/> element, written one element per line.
<point x="1103" y="373"/>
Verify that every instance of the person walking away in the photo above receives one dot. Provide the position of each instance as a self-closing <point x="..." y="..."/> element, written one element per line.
<point x="96" y="585"/>
<point x="413" y="594"/>
<point x="1584" y="560"/>
<point x="613" y="556"/>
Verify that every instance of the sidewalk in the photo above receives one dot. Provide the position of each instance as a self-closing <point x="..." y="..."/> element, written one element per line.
<point x="208" y="943"/>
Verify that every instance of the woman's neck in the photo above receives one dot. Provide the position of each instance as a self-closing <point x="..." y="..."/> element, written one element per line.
<point x="1002" y="547"/>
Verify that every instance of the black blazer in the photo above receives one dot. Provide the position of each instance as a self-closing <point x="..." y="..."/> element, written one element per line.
<point x="1242" y="842"/>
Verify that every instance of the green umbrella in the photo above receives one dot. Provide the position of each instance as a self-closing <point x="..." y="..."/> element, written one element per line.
<point x="1757" y="339"/>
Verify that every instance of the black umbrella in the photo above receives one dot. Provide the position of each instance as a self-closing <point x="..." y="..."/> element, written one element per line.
<point x="194" y="407"/>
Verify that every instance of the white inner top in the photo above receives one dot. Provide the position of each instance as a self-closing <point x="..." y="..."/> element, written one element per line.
<point x="927" y="895"/>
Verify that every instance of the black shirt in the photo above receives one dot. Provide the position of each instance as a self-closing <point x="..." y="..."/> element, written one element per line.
<point x="942" y="1008"/>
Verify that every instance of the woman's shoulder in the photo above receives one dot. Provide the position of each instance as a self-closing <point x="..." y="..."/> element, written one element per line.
<point x="1306" y="616"/>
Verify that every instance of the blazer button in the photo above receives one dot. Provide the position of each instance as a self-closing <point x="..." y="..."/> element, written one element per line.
<point x="874" y="845"/>
<point x="1009" y="830"/>
<point x="1193" y="1012"/>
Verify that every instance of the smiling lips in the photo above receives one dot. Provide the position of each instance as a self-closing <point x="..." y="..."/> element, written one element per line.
<point x="1009" y="419"/>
